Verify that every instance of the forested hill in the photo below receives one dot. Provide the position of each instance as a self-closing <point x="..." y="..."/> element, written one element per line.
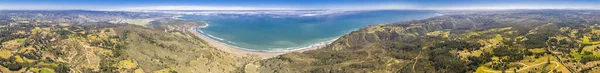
<point x="457" y="42"/>
<point x="163" y="46"/>
<point x="460" y="42"/>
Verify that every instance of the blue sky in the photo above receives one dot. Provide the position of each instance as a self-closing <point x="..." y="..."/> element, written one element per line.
<point x="294" y="4"/>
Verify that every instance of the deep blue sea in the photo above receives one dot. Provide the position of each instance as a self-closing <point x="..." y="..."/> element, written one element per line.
<point x="290" y="30"/>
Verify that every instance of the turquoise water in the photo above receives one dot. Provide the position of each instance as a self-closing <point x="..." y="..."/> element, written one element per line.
<point x="290" y="30"/>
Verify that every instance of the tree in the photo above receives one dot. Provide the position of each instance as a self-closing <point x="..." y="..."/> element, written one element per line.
<point x="548" y="60"/>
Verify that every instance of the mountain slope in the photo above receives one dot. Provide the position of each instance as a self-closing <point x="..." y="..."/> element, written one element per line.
<point x="108" y="47"/>
<point x="459" y="42"/>
<point x="476" y="42"/>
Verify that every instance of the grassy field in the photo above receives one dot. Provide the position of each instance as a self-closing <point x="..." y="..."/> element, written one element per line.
<point x="529" y="64"/>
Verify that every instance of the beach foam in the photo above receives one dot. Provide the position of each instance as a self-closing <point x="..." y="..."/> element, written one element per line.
<point x="283" y="31"/>
<point x="289" y="49"/>
<point x="315" y="45"/>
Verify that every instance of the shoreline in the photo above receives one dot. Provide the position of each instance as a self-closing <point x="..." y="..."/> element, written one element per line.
<point x="243" y="52"/>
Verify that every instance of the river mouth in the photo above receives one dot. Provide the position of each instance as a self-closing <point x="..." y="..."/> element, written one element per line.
<point x="276" y="31"/>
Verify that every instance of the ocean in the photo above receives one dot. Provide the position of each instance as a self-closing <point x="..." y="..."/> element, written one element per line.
<point x="274" y="31"/>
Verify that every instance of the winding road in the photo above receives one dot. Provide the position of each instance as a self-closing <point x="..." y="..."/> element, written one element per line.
<point x="526" y="67"/>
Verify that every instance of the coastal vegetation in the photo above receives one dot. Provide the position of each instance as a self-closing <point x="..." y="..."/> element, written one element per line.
<point x="110" y="47"/>
<point x="482" y="42"/>
<point x="564" y="41"/>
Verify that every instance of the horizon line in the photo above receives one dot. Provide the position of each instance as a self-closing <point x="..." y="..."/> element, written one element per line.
<point x="483" y="9"/>
<point x="351" y="7"/>
<point x="290" y="9"/>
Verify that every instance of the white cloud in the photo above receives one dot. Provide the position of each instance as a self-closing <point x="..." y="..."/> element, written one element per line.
<point x="379" y="6"/>
<point x="202" y="8"/>
<point x="373" y="7"/>
<point x="505" y="7"/>
<point x="48" y="7"/>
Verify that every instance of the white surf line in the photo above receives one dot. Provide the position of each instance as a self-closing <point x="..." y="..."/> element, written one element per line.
<point x="303" y="48"/>
<point x="204" y="25"/>
<point x="276" y="50"/>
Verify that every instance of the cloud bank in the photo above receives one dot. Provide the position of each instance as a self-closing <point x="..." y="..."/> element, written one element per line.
<point x="506" y="7"/>
<point x="322" y="7"/>
<point x="203" y="8"/>
<point x="391" y="6"/>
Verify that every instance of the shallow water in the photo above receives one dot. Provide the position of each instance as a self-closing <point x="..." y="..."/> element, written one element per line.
<point x="289" y="30"/>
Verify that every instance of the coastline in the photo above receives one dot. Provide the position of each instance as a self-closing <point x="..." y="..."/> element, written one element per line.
<point x="242" y="52"/>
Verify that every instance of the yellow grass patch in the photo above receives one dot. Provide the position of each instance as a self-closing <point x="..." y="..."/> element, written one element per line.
<point x="20" y="40"/>
<point x="381" y="28"/>
<point x="166" y="70"/>
<point x="559" y="38"/>
<point x="476" y="53"/>
<point x="590" y="48"/>
<point x="443" y="34"/>
<point x="6" y="70"/>
<point x="528" y="64"/>
<point x="498" y="37"/>
<point x="12" y="44"/>
<point x="42" y="70"/>
<point x="464" y="54"/>
<point x="586" y="40"/>
<point x="138" y="71"/>
<point x="5" y="54"/>
<point x="127" y="64"/>
<point x="20" y="59"/>
<point x="45" y="64"/>
<point x="564" y="29"/>
<point x="23" y="50"/>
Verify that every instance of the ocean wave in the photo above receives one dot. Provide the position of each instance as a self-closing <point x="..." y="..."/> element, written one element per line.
<point x="200" y="31"/>
<point x="315" y="45"/>
<point x="289" y="49"/>
<point x="236" y="47"/>
<point x="231" y="42"/>
<point x="204" y="25"/>
<point x="211" y="36"/>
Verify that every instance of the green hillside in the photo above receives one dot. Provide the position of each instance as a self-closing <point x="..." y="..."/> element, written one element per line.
<point x="108" y="47"/>
<point x="525" y="41"/>
<point x="566" y="41"/>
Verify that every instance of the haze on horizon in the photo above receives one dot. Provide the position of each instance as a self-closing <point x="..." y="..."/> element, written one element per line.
<point x="297" y="5"/>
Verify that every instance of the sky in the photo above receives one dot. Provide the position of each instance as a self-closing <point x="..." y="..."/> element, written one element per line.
<point x="295" y="4"/>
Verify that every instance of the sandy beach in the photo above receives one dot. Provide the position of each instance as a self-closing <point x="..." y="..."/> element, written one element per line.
<point x="241" y="52"/>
